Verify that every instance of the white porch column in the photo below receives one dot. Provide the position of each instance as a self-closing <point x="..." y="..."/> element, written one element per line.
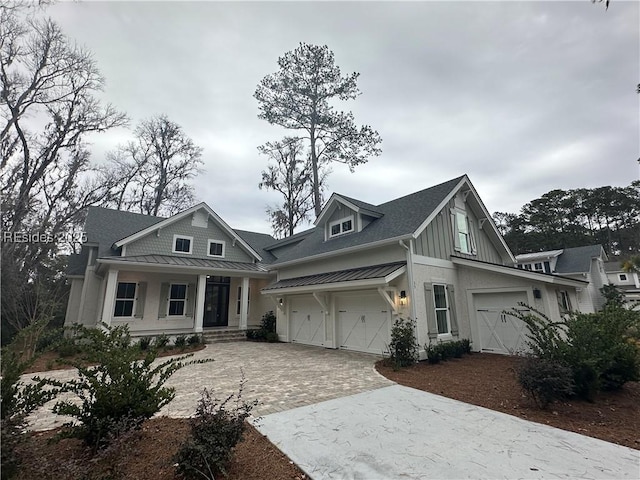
<point x="244" y="304"/>
<point x="110" y="296"/>
<point x="199" y="310"/>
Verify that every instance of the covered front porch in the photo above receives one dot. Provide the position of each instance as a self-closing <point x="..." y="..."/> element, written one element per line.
<point x="159" y="294"/>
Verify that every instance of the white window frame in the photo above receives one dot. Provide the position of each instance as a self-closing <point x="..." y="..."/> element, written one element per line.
<point x="564" y="301"/>
<point x="239" y="303"/>
<point x="221" y="242"/>
<point x="183" y="237"/>
<point x="464" y="241"/>
<point x="133" y="300"/>
<point x="536" y="269"/>
<point x="620" y="277"/>
<point x="184" y="300"/>
<point x="440" y="309"/>
<point x="341" y="223"/>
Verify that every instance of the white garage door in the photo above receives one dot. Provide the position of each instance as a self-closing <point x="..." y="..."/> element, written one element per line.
<point x="364" y="323"/>
<point x="500" y="332"/>
<point x="307" y="321"/>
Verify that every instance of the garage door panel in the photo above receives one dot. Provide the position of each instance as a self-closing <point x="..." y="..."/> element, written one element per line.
<point x="363" y="323"/>
<point x="307" y="321"/>
<point x="500" y="332"/>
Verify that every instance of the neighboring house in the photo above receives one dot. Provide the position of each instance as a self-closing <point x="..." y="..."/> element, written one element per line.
<point x="627" y="282"/>
<point x="434" y="256"/>
<point x="581" y="263"/>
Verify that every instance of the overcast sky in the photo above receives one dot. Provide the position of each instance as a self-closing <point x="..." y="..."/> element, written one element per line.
<point x="524" y="97"/>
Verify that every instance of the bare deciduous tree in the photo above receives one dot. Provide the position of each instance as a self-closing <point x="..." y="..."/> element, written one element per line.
<point x="150" y="174"/>
<point x="291" y="174"/>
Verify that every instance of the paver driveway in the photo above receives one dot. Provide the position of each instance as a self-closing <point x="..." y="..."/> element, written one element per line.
<point x="280" y="375"/>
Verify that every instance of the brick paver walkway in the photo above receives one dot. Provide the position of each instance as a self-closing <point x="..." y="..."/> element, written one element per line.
<point x="280" y="375"/>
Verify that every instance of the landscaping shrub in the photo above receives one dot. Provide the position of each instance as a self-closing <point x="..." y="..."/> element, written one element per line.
<point x="267" y="330"/>
<point x="18" y="399"/>
<point x="120" y="391"/>
<point x="268" y="322"/>
<point x="216" y="428"/>
<point x="50" y="339"/>
<point x="161" y="341"/>
<point x="433" y="353"/>
<point x="598" y="347"/>
<point x="180" y="341"/>
<point x="437" y="352"/>
<point x="194" y="339"/>
<point x="403" y="349"/>
<point x="271" y="337"/>
<point x="145" y="343"/>
<point x="545" y="380"/>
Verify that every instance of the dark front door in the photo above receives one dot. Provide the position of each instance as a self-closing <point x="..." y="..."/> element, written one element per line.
<point x="216" y="302"/>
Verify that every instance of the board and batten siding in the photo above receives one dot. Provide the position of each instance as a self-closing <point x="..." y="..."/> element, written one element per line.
<point x="437" y="241"/>
<point x="161" y="242"/>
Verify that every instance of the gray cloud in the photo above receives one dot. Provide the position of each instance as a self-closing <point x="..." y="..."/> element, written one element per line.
<point x="523" y="97"/>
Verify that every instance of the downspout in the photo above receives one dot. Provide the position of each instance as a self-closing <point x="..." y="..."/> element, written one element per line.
<point x="410" y="275"/>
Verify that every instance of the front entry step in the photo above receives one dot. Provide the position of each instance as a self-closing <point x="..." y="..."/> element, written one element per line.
<point x="224" y="335"/>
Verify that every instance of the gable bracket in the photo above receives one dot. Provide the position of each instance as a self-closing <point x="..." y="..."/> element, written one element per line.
<point x="482" y="221"/>
<point x="320" y="300"/>
<point x="158" y="232"/>
<point x="385" y="295"/>
<point x="465" y="194"/>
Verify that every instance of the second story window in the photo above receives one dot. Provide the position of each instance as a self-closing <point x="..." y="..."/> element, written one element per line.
<point x="216" y="248"/>
<point x="182" y="244"/>
<point x="340" y="227"/>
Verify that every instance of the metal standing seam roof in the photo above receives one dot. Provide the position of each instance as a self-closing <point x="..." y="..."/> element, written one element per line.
<point x="352" y="274"/>
<point x="189" y="262"/>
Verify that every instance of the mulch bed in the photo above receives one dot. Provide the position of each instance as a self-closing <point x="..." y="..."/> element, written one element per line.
<point x="489" y="380"/>
<point x="52" y="361"/>
<point x="147" y="454"/>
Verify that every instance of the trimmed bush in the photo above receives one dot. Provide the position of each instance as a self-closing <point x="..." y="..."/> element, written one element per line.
<point x="403" y="349"/>
<point x="119" y="392"/>
<point x="598" y="347"/>
<point x="545" y="380"/>
<point x="268" y="322"/>
<point x="433" y="353"/>
<point x="144" y="343"/>
<point x="161" y="341"/>
<point x="194" y="339"/>
<point x="180" y="342"/>
<point x="216" y="428"/>
<point x="271" y="337"/>
<point x="267" y="330"/>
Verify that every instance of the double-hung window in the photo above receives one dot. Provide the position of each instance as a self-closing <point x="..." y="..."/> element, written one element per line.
<point x="125" y="299"/>
<point x="564" y="302"/>
<point x="463" y="234"/>
<point x="177" y="299"/>
<point x="442" y="309"/>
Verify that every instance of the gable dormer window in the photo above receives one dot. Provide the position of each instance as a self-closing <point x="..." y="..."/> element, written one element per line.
<point x="462" y="232"/>
<point x="340" y="227"/>
<point x="182" y="244"/>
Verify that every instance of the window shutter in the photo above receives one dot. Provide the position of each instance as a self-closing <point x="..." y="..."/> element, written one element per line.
<point x="454" y="228"/>
<point x="191" y="300"/>
<point x="472" y="235"/>
<point x="452" y="310"/>
<point x="140" y="299"/>
<point x="432" y="326"/>
<point x="164" y="299"/>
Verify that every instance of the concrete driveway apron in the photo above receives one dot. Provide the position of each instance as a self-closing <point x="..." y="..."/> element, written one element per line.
<point x="398" y="432"/>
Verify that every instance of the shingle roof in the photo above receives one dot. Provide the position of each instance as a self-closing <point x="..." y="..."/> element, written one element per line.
<point x="362" y="205"/>
<point x="577" y="259"/>
<point x="350" y="275"/>
<point x="400" y="217"/>
<point x="193" y="262"/>
<point x="259" y="242"/>
<point x="613" y="266"/>
<point x="105" y="227"/>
